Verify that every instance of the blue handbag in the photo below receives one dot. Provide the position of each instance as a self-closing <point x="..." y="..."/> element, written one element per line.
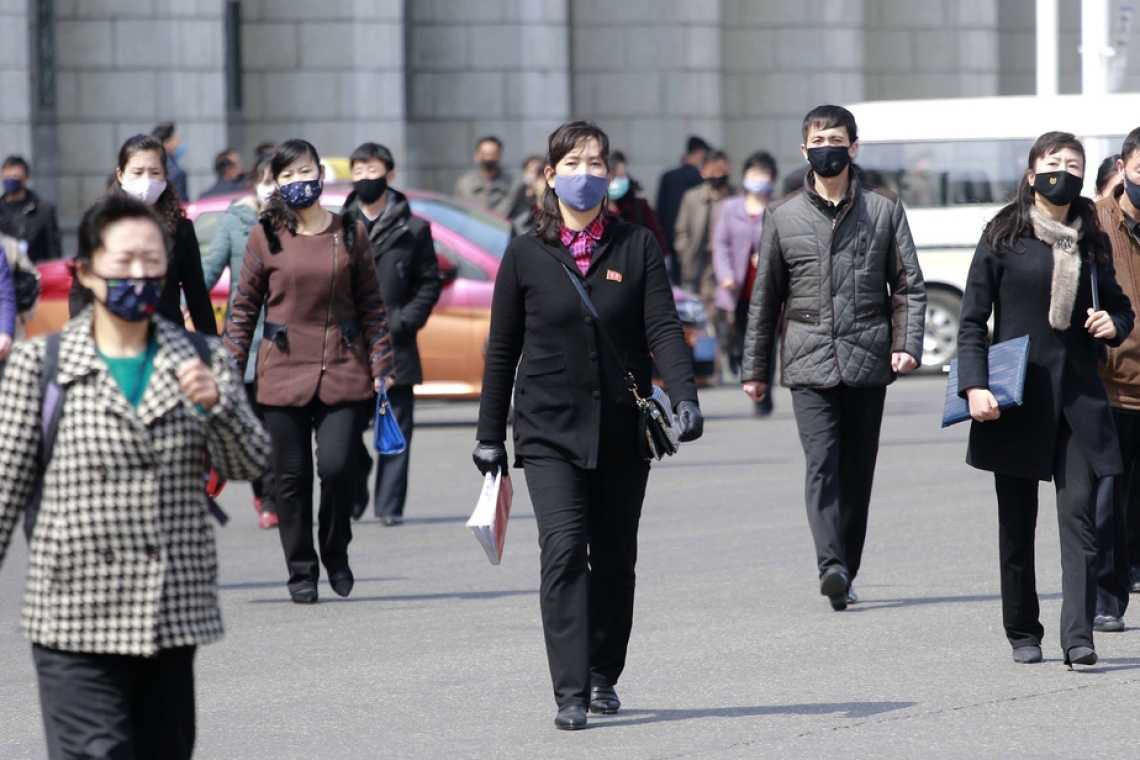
<point x="389" y="441"/>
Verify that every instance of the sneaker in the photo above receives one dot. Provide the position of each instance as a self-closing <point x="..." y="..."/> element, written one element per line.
<point x="1108" y="624"/>
<point x="257" y="504"/>
<point x="267" y="520"/>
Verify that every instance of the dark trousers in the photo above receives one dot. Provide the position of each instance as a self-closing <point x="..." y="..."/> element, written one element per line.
<point x="1112" y="523"/>
<point x="265" y="486"/>
<point x="391" y="471"/>
<point x="338" y="428"/>
<point x="1133" y="511"/>
<point x="839" y="430"/>
<point x="117" y="707"/>
<point x="587" y="534"/>
<point x="1076" y="484"/>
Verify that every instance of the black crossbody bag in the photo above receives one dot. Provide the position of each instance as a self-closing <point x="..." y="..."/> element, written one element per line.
<point x="656" y="438"/>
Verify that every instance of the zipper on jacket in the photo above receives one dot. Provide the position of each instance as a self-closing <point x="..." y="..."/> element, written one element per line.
<point x="332" y="295"/>
<point x="265" y="364"/>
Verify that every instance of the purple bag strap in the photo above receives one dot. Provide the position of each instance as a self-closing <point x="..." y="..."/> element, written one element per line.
<point x="51" y="409"/>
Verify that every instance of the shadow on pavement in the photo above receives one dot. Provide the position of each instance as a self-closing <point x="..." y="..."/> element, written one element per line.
<point x="1110" y="665"/>
<point x="848" y="710"/>
<point x="464" y="595"/>
<point x="281" y="583"/>
<point x="436" y="520"/>
<point x="720" y="462"/>
<point x="867" y="605"/>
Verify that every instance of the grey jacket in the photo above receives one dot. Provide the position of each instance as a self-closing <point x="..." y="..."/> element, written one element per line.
<point x="227" y="249"/>
<point x="846" y="279"/>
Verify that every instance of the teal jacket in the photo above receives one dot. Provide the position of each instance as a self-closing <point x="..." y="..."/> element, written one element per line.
<point x="227" y="249"/>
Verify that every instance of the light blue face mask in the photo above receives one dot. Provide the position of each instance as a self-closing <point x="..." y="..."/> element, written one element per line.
<point x="581" y="192"/>
<point x="180" y="151"/>
<point x="619" y="186"/>
<point x="758" y="186"/>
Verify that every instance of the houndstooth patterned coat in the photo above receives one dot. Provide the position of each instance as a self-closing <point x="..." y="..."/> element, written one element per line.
<point x="122" y="560"/>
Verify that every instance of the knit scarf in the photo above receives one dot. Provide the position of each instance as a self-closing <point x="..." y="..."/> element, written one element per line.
<point x="1066" y="265"/>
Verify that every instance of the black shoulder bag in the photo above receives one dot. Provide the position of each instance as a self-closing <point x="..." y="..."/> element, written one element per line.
<point x="656" y="438"/>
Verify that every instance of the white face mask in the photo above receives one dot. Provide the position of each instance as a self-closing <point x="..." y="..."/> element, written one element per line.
<point x="263" y="193"/>
<point x="145" y="189"/>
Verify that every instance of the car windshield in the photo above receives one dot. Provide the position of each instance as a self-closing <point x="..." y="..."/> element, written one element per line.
<point x="487" y="232"/>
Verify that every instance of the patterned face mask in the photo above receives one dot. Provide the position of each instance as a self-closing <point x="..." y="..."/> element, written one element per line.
<point x="302" y="193"/>
<point x="133" y="298"/>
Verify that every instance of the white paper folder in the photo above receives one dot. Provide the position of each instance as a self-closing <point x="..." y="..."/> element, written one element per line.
<point x="489" y="520"/>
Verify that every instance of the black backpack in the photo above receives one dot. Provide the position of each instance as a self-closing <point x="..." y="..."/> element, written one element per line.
<point x="51" y="411"/>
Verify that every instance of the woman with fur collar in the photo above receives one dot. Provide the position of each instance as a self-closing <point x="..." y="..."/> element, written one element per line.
<point x="1043" y="269"/>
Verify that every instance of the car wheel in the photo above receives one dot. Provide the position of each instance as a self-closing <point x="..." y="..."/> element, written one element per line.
<point x="940" y="343"/>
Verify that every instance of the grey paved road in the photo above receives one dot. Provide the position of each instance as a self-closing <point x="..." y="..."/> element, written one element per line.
<point x="734" y="654"/>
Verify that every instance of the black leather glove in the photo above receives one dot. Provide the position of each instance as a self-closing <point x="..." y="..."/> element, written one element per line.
<point x="490" y="456"/>
<point x="690" y="421"/>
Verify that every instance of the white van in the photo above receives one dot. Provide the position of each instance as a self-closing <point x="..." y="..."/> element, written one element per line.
<point x="956" y="162"/>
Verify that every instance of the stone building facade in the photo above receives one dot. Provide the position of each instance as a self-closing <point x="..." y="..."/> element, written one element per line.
<point x="428" y="77"/>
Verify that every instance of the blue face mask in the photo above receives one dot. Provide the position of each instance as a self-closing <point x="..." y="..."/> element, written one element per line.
<point x="758" y="186"/>
<point x="180" y="151"/>
<point x="302" y="193"/>
<point x="12" y="186"/>
<point x="619" y="186"/>
<point x="133" y="298"/>
<point x="581" y="192"/>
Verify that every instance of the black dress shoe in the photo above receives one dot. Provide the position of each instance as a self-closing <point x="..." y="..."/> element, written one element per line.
<point x="1108" y="624"/>
<point x="1080" y="656"/>
<point x="358" y="509"/>
<point x="571" y="718"/>
<point x="834" y="585"/>
<point x="304" y="594"/>
<point x="1027" y="655"/>
<point x="341" y="581"/>
<point x="604" y="700"/>
<point x="1134" y="580"/>
<point x="391" y="521"/>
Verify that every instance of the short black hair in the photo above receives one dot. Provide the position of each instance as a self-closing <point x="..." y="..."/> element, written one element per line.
<point x="369" y="151"/>
<point x="11" y="161"/>
<point x="223" y="161"/>
<point x="830" y="117"/>
<point x="695" y="144"/>
<point x="1131" y="144"/>
<point x="488" y="138"/>
<point x="761" y="159"/>
<point x="714" y="155"/>
<point x="164" y="131"/>
<point x="265" y="149"/>
<point x="1106" y="172"/>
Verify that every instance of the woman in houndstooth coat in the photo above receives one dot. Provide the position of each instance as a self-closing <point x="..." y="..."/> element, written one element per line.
<point x="122" y="578"/>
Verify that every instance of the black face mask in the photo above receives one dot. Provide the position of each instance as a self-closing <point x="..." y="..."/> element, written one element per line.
<point x="489" y="165"/>
<point x="370" y="190"/>
<point x="829" y="160"/>
<point x="1059" y="188"/>
<point x="1132" y="191"/>
<point x="718" y="182"/>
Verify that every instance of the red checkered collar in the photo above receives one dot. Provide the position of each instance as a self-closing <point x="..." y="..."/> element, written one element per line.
<point x="593" y="231"/>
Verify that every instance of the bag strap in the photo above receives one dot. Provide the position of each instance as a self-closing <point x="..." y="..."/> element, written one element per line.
<point x="51" y="410"/>
<point x="1095" y="289"/>
<point x="201" y="345"/>
<point x="630" y="382"/>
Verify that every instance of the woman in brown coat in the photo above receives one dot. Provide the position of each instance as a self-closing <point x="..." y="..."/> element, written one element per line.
<point x="325" y="350"/>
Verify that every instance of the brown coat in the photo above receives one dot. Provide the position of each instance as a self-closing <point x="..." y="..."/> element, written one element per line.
<point x="1122" y="372"/>
<point x="326" y="331"/>
<point x="693" y="234"/>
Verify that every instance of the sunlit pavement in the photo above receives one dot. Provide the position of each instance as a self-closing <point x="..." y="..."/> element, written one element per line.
<point x="734" y="653"/>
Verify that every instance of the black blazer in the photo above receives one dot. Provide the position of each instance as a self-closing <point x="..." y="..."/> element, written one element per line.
<point x="410" y="284"/>
<point x="571" y="402"/>
<point x="1062" y="377"/>
<point x="183" y="274"/>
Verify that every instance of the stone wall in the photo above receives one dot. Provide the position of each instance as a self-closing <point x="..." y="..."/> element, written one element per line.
<point x="123" y="66"/>
<point x="15" y="79"/>
<point x="330" y="72"/>
<point x="483" y="67"/>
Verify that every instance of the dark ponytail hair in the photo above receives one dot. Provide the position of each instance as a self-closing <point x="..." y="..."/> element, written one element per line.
<point x="563" y="140"/>
<point x="1013" y="223"/>
<point x="278" y="215"/>
<point x="168" y="207"/>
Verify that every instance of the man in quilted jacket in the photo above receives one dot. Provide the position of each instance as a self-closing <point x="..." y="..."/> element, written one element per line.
<point x="838" y="263"/>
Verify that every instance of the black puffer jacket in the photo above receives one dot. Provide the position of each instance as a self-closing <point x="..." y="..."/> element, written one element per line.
<point x="847" y="279"/>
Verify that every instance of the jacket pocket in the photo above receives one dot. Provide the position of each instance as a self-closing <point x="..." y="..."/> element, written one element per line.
<point x="807" y="317"/>
<point x="277" y="334"/>
<point x="545" y="365"/>
<point x="349" y="330"/>
<point x="546" y="386"/>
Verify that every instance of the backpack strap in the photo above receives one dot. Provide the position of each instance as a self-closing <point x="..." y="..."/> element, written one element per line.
<point x="202" y="346"/>
<point x="51" y="411"/>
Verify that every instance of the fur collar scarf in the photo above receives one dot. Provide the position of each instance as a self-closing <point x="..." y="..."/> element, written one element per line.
<point x="1066" y="265"/>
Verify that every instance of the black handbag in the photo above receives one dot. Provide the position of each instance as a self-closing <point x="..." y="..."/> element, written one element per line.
<point x="656" y="438"/>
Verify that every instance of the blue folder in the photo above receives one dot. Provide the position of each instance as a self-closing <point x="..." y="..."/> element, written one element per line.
<point x="1008" y="361"/>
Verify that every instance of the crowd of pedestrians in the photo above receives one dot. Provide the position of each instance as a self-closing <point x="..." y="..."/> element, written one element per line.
<point x="109" y="426"/>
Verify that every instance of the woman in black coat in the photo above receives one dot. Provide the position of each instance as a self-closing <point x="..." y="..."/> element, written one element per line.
<point x="576" y="423"/>
<point x="1033" y="270"/>
<point x="141" y="174"/>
